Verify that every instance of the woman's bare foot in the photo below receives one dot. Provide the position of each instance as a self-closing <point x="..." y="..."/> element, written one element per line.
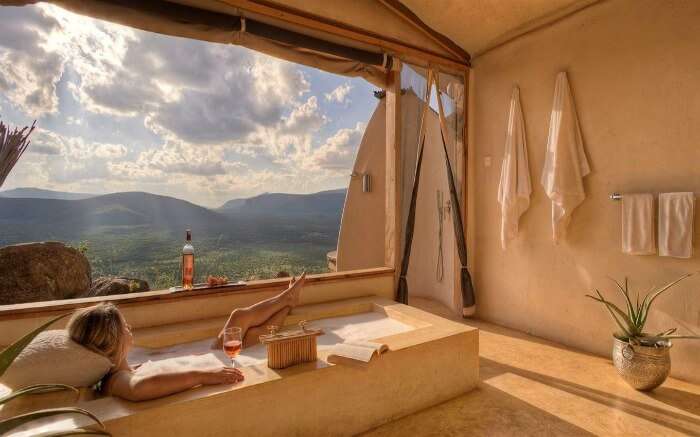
<point x="295" y="286"/>
<point x="248" y="317"/>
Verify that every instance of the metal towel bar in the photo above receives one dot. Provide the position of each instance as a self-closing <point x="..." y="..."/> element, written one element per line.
<point x="618" y="196"/>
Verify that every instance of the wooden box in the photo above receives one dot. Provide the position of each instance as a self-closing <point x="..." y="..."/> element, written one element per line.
<point x="288" y="348"/>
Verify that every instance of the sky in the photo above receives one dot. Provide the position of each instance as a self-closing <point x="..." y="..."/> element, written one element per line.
<point x="119" y="109"/>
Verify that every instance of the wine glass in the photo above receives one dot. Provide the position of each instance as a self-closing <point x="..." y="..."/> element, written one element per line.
<point x="232" y="343"/>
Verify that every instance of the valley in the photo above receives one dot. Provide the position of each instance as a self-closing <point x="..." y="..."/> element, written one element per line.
<point x="140" y="235"/>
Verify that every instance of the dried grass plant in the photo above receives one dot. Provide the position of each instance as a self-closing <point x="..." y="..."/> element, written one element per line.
<point x="13" y="143"/>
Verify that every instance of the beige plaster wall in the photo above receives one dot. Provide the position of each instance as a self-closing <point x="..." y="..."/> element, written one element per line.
<point x="634" y="68"/>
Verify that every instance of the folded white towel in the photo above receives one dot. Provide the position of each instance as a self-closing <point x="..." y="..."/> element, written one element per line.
<point x="514" y="188"/>
<point x="676" y="216"/>
<point x="638" y="224"/>
<point x="565" y="162"/>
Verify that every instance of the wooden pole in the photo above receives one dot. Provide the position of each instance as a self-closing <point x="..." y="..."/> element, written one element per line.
<point x="469" y="176"/>
<point x="392" y="225"/>
<point x="462" y="158"/>
<point x="410" y="17"/>
<point x="408" y="52"/>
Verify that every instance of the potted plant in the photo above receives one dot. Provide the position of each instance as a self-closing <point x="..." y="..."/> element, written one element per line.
<point x="7" y="356"/>
<point x="642" y="359"/>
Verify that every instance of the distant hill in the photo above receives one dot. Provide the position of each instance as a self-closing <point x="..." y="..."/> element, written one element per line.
<point x="232" y="205"/>
<point x="324" y="203"/>
<point x="34" y="219"/>
<point x="38" y="193"/>
<point x="267" y="218"/>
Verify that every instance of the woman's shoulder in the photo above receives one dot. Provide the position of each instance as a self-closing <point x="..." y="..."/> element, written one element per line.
<point x="115" y="377"/>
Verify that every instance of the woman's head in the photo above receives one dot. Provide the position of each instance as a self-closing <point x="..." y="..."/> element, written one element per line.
<point x="102" y="329"/>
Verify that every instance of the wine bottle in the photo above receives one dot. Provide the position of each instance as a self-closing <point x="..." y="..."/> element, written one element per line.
<point x="188" y="262"/>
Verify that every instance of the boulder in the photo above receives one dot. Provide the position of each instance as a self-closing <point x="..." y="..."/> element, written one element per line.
<point x="107" y="285"/>
<point x="34" y="272"/>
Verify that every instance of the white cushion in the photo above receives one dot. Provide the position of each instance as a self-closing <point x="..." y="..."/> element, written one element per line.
<point x="53" y="358"/>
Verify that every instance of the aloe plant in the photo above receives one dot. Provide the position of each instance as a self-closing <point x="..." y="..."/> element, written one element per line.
<point x="7" y="356"/>
<point x="633" y="319"/>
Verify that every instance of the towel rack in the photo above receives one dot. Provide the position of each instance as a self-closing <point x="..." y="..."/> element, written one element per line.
<point x="618" y="196"/>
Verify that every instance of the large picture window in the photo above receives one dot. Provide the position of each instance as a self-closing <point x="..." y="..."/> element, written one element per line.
<point x="141" y="136"/>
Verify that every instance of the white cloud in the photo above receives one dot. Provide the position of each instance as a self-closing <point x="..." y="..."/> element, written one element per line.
<point x="72" y="148"/>
<point x="289" y="141"/>
<point x="217" y="121"/>
<point x="30" y="71"/>
<point x="340" y="94"/>
<point x="195" y="91"/>
<point x="109" y="151"/>
<point x="338" y="152"/>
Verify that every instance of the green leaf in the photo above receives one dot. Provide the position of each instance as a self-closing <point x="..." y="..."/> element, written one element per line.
<point x="665" y="333"/>
<point x="651" y="297"/>
<point x="78" y="431"/>
<point x="8" y="355"/>
<point x="36" y="389"/>
<point x="639" y="306"/>
<point x="667" y="286"/>
<point x="619" y="323"/>
<point x="625" y="292"/>
<point x="13" y="422"/>
<point x="612" y="306"/>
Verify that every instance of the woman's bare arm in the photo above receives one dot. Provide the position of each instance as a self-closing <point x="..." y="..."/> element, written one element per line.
<point x="134" y="387"/>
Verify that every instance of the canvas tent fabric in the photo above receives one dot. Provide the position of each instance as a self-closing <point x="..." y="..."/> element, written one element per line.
<point x="466" y="285"/>
<point x="174" y="19"/>
<point x="515" y="188"/>
<point x="565" y="163"/>
<point x="410" y="211"/>
<point x="467" y="289"/>
<point x="481" y="25"/>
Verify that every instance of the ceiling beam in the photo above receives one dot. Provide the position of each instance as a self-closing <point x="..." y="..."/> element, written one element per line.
<point x="389" y="45"/>
<point x="409" y="16"/>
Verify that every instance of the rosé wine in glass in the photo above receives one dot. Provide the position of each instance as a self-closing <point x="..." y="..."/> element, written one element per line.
<point x="233" y="343"/>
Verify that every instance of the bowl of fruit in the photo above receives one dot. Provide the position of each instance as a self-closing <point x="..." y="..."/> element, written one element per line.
<point x="217" y="281"/>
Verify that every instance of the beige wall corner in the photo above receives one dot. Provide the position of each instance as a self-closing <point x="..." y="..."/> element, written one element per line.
<point x="633" y="68"/>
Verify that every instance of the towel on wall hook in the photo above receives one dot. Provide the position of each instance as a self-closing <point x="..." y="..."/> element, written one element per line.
<point x="565" y="162"/>
<point x="514" y="188"/>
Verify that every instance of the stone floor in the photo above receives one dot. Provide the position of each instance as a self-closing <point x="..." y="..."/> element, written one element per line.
<point x="532" y="387"/>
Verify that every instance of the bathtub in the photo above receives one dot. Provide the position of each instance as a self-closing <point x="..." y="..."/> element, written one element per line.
<point x="430" y="360"/>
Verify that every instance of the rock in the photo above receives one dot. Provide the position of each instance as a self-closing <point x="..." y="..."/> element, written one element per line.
<point x="33" y="272"/>
<point x="106" y="286"/>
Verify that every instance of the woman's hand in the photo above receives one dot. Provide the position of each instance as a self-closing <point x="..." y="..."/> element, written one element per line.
<point x="222" y="375"/>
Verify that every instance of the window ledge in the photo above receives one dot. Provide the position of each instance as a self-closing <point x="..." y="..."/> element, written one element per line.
<point x="155" y="296"/>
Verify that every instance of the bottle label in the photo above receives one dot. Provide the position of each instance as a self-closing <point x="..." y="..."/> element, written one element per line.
<point x="187" y="270"/>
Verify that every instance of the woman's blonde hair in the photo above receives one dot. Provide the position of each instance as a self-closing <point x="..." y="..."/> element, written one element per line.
<point x="100" y="328"/>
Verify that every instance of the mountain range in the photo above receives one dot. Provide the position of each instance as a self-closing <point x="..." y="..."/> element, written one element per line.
<point x="44" y="214"/>
<point x="322" y="203"/>
<point x="38" y="193"/>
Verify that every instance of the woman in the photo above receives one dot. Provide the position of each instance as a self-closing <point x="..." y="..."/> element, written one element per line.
<point x="103" y="329"/>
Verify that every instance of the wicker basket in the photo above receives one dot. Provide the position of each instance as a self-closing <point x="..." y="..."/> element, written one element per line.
<point x="288" y="348"/>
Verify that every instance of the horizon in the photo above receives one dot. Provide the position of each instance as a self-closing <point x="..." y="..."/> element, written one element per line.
<point x="120" y="109"/>
<point x="166" y="195"/>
